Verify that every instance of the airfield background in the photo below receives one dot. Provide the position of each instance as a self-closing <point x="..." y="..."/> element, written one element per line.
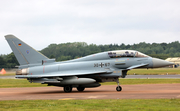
<point x="175" y="60"/>
<point x="67" y="51"/>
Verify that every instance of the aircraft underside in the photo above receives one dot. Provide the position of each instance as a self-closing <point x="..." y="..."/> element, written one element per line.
<point x="76" y="82"/>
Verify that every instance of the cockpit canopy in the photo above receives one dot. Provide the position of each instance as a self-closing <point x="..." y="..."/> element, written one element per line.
<point x="125" y="53"/>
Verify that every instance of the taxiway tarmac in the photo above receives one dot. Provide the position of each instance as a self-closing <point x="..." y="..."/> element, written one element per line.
<point x="145" y="91"/>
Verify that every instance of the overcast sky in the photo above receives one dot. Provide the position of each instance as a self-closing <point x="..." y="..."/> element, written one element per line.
<point x="42" y="22"/>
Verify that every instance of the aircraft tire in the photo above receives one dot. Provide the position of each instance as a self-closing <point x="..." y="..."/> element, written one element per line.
<point x="67" y="89"/>
<point x="118" y="88"/>
<point x="80" y="89"/>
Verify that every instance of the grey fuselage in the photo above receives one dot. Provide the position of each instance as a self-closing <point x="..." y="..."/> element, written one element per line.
<point x="81" y="73"/>
<point x="101" y="62"/>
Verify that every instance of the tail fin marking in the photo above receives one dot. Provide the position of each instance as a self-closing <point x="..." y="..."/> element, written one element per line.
<point x="23" y="52"/>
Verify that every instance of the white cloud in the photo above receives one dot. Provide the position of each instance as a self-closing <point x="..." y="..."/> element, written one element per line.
<point x="40" y="23"/>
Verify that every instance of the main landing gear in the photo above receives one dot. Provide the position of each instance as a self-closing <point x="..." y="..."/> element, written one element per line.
<point x="68" y="88"/>
<point x="80" y="89"/>
<point x="118" y="88"/>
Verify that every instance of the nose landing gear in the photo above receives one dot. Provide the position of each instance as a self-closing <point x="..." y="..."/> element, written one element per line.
<point x="118" y="88"/>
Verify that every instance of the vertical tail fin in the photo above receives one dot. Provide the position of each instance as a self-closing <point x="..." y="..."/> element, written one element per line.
<point x="23" y="52"/>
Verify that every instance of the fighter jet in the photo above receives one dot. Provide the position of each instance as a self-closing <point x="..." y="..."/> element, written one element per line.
<point x="85" y="72"/>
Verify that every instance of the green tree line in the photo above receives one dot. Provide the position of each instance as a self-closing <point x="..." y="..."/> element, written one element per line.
<point x="8" y="61"/>
<point x="67" y="51"/>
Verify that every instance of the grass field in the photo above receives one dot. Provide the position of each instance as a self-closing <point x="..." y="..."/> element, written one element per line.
<point x="92" y="105"/>
<point x="143" y="81"/>
<point x="157" y="71"/>
<point x="9" y="83"/>
<point x="140" y="71"/>
<point x="7" y="74"/>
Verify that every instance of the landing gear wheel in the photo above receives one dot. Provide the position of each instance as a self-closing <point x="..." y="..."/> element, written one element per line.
<point x="67" y="89"/>
<point x="80" y="89"/>
<point x="118" y="88"/>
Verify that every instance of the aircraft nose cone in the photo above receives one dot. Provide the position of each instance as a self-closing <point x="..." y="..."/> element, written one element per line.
<point x="160" y="63"/>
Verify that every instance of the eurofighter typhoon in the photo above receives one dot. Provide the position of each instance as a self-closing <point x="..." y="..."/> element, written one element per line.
<point x="85" y="72"/>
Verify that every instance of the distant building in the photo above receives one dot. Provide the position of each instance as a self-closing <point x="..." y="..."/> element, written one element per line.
<point x="175" y="60"/>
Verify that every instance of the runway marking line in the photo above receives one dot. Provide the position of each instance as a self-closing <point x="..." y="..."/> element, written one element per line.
<point x="66" y="99"/>
<point x="92" y="97"/>
<point x="178" y="96"/>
